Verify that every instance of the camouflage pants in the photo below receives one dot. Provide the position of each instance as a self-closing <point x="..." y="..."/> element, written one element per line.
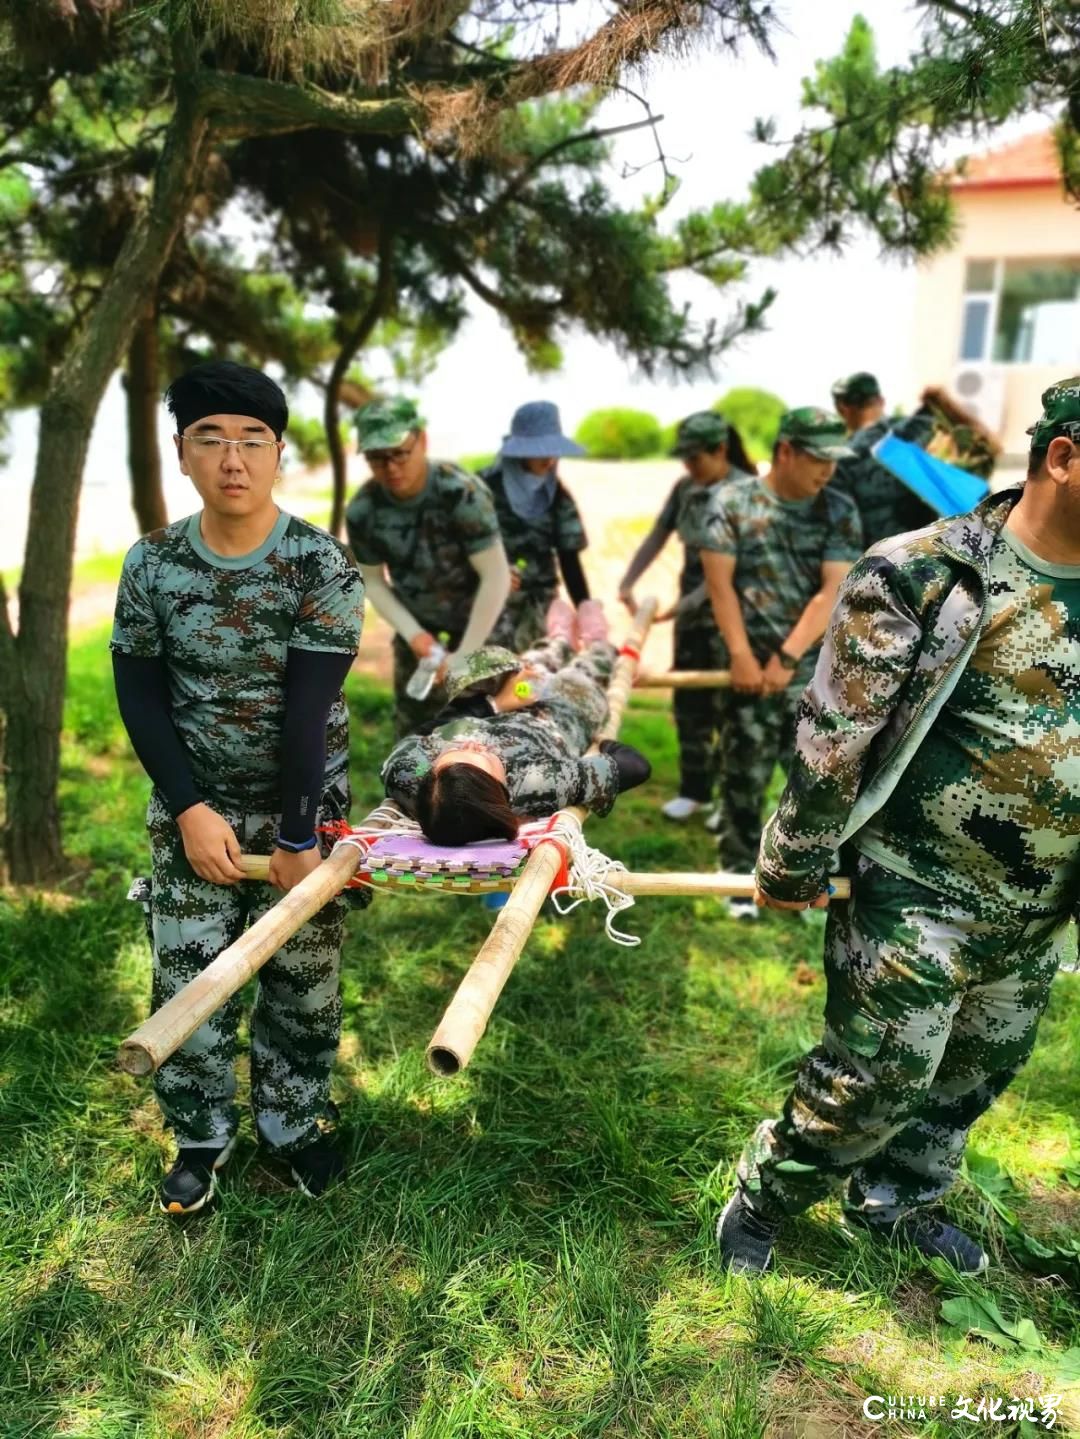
<point x="699" y="714"/>
<point x="756" y="734"/>
<point x="523" y="621"/>
<point x="578" y="682"/>
<point x="931" y="1011"/>
<point x="408" y="713"/>
<point x="296" y="1021"/>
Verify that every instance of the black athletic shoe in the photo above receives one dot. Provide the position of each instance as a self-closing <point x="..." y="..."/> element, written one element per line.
<point x="189" y="1184"/>
<point x="745" y="1237"/>
<point x="317" y="1167"/>
<point x="931" y="1236"/>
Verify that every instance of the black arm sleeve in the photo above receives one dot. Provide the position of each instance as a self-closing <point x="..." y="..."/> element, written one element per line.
<point x="142" y="694"/>
<point x="313" y="680"/>
<point x="577" y="586"/>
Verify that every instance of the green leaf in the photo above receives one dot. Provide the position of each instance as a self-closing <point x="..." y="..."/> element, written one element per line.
<point x="992" y="1182"/>
<point x="1067" y="1369"/>
<point x="982" y="1318"/>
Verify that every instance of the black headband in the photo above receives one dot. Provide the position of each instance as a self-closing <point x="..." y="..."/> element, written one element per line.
<point x="222" y="388"/>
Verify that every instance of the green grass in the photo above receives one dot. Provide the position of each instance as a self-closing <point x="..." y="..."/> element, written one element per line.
<point x="524" y="1251"/>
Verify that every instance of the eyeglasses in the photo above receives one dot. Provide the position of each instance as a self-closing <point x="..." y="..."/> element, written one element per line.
<point x="216" y="445"/>
<point x="385" y="459"/>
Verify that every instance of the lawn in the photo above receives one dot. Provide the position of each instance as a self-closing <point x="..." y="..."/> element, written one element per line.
<point x="523" y="1251"/>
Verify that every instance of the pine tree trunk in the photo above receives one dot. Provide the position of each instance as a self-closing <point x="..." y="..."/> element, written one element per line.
<point x="382" y="297"/>
<point x="33" y="664"/>
<point x="143" y="399"/>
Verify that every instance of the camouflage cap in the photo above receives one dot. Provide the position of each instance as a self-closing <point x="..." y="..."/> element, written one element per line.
<point x="1061" y="414"/>
<point x="483" y="669"/>
<point x="857" y="389"/>
<point x="703" y="430"/>
<point x="385" y="424"/>
<point x="817" y="432"/>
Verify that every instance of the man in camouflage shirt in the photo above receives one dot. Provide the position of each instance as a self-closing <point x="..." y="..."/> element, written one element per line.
<point x="774" y="551"/>
<point x="939" y="753"/>
<point x="885" y="504"/>
<point x="233" y="633"/>
<point x="426" y="537"/>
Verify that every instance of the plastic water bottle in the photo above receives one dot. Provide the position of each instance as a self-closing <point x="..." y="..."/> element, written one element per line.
<point x="423" y="677"/>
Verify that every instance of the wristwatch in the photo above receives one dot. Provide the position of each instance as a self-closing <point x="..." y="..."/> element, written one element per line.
<point x="789" y="662"/>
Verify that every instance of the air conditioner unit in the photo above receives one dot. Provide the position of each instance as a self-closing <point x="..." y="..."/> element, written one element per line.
<point x="981" y="389"/>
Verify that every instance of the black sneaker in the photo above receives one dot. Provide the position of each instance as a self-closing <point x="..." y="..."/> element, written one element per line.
<point x="931" y="1236"/>
<point x="317" y="1167"/>
<point x="189" y="1184"/>
<point x="745" y="1237"/>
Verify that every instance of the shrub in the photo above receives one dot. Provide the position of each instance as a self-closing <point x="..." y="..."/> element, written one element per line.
<point x="307" y="439"/>
<point x="756" y="416"/>
<point x="475" y="463"/>
<point x="619" y="434"/>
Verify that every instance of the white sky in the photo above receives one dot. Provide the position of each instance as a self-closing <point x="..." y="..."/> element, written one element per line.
<point x="832" y="315"/>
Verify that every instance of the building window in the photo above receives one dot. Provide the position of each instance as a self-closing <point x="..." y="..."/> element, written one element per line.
<point x="1022" y="312"/>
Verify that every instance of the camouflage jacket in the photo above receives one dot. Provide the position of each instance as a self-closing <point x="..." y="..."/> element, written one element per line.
<point x="906" y="621"/>
<point x="885" y="504"/>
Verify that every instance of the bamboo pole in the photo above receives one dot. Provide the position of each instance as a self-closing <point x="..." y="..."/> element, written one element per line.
<point x="179" y="1017"/>
<point x="452" y="1045"/>
<point x="670" y="884"/>
<point x="684" y="680"/>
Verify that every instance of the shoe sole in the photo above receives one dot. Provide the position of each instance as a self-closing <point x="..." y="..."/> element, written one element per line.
<point x="176" y="1209"/>
<point x="746" y="1269"/>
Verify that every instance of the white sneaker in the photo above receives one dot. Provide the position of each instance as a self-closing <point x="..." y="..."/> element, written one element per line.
<point x="713" y="819"/>
<point x="680" y="808"/>
<point x="740" y="908"/>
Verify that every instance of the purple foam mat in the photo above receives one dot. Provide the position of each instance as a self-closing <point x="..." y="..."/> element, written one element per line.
<point x="486" y="854"/>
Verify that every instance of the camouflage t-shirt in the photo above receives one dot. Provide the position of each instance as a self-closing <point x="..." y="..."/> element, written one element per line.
<point x="541" y="747"/>
<point x="779" y="548"/>
<point x="684" y="513"/>
<point x="990" y="802"/>
<point x="885" y="504"/>
<point x="425" y="543"/>
<point x="532" y="545"/>
<point x="224" y="625"/>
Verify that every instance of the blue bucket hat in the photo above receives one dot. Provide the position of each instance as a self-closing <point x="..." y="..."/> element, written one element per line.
<point x="536" y="434"/>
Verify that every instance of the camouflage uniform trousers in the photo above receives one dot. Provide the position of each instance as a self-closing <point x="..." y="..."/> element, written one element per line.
<point x="523" y="621"/>
<point x="577" y="679"/>
<point x="757" y="732"/>
<point x="931" y="1011"/>
<point x="296" y="1021"/>
<point x="699" y="714"/>
<point x="408" y="713"/>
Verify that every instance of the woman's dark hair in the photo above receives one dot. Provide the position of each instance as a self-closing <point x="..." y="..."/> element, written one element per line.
<point x="462" y="804"/>
<point x="736" y="452"/>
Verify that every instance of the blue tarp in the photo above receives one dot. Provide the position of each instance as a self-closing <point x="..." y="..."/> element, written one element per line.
<point x="945" y="487"/>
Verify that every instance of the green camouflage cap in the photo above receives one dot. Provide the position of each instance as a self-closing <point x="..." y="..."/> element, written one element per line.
<point x="703" y="430"/>
<point x="817" y="432"/>
<point x="857" y="389"/>
<point x="1061" y="414"/>
<point x="386" y="424"/>
<point x="483" y="669"/>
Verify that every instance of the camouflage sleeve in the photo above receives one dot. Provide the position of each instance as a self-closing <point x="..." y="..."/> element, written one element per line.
<point x="869" y="652"/>
<point x="917" y="428"/>
<point x="472" y="514"/>
<point x="358" y="526"/>
<point x="332" y="610"/>
<point x="569" y="529"/>
<point x="845" y="540"/>
<point x="718" y="530"/>
<point x="135" y="625"/>
<point x="402" y="771"/>
<point x="597" y="784"/>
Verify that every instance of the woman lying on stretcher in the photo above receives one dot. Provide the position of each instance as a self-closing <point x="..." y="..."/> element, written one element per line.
<point x="511" y="743"/>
